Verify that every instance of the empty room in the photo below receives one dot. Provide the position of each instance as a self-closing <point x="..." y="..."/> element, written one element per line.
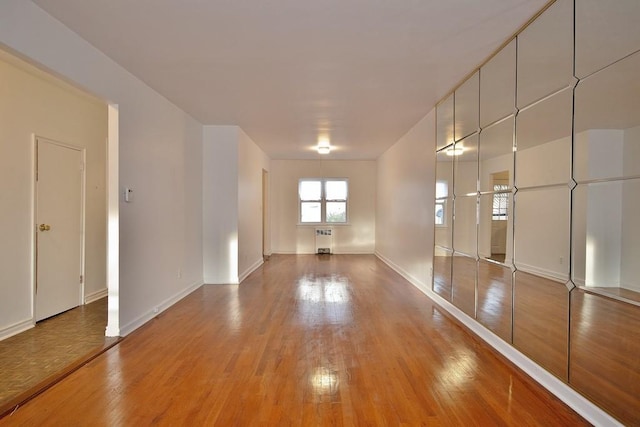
<point x="319" y="213"/>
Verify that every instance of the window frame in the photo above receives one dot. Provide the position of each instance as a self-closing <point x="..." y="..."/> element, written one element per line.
<point x="323" y="202"/>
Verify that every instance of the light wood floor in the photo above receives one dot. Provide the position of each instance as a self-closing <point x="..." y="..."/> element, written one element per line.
<point x="305" y="340"/>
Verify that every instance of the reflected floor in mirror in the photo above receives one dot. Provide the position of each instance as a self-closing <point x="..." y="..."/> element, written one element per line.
<point x="304" y="340"/>
<point x="32" y="360"/>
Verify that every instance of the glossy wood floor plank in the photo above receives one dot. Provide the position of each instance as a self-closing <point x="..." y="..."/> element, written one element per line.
<point x="305" y="340"/>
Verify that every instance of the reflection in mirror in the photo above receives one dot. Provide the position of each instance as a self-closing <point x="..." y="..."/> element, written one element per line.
<point x="463" y="284"/>
<point x="465" y="153"/>
<point x="494" y="298"/>
<point x="464" y="225"/>
<point x="444" y="199"/>
<point x="495" y="236"/>
<point x="498" y="86"/>
<point x="604" y="353"/>
<point x="467" y="107"/>
<point x="606" y="237"/>
<point x="541" y="231"/>
<point x="543" y="140"/>
<point x="442" y="272"/>
<point x="607" y="123"/>
<point x="541" y="321"/>
<point x="496" y="153"/>
<point x="606" y="31"/>
<point x="444" y="123"/>
<point x="545" y="54"/>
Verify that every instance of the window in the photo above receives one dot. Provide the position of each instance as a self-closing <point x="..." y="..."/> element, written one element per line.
<point x="500" y="203"/>
<point x="442" y="191"/>
<point x="323" y="200"/>
<point x="440" y="206"/>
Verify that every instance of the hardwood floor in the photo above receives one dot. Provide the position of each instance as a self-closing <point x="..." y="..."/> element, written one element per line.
<point x="305" y="340"/>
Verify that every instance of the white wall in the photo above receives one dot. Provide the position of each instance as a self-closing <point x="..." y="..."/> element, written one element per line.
<point x="630" y="267"/>
<point x="220" y="204"/>
<point x="31" y="102"/>
<point x="160" y="159"/>
<point x="356" y="237"/>
<point x="405" y="203"/>
<point x="232" y="204"/>
<point x="251" y="162"/>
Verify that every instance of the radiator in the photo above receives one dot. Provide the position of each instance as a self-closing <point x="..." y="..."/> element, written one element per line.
<point x="324" y="240"/>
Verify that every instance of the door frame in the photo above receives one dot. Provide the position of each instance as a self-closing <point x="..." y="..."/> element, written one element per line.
<point x="34" y="218"/>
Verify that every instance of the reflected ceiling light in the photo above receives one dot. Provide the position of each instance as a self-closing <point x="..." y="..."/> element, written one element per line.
<point x="323" y="146"/>
<point x="454" y="151"/>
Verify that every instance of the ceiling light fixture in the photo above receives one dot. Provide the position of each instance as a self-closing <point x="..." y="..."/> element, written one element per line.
<point x="323" y="146"/>
<point x="454" y="151"/>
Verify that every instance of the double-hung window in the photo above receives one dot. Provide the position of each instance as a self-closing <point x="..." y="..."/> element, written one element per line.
<point x="323" y="200"/>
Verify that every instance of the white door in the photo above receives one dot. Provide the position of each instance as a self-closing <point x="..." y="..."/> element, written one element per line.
<point x="59" y="188"/>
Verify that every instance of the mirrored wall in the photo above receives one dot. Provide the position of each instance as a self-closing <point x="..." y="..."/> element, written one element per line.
<point x="538" y="198"/>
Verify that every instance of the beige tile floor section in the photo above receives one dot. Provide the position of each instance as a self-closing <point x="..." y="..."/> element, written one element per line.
<point x="32" y="356"/>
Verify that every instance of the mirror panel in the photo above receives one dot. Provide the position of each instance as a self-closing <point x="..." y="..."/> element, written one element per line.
<point x="498" y="86"/>
<point x="495" y="298"/>
<point x="605" y="33"/>
<point x="444" y="123"/>
<point x="545" y="54"/>
<point x="442" y="272"/>
<point x="444" y="221"/>
<point x="464" y="225"/>
<point x="444" y="173"/>
<point x="496" y="154"/>
<point x="463" y="294"/>
<point x="606" y="235"/>
<point x="541" y="321"/>
<point x="607" y="122"/>
<point x="466" y="166"/>
<point x="605" y="344"/>
<point x="467" y="107"/>
<point x="542" y="230"/>
<point x="495" y="227"/>
<point x="543" y="140"/>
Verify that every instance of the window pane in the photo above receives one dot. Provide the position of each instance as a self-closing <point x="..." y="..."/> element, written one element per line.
<point x="310" y="190"/>
<point x="439" y="213"/>
<point x="310" y="212"/>
<point x="336" y="211"/>
<point x="441" y="190"/>
<point x="336" y="190"/>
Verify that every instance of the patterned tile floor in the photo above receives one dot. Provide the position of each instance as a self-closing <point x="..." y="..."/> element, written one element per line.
<point x="32" y="356"/>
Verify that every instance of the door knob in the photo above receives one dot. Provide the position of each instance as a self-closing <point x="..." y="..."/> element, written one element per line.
<point x="44" y="227"/>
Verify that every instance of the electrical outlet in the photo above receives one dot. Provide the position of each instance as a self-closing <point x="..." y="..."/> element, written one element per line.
<point x="179" y="273"/>
<point x="156" y="309"/>
<point x="561" y="260"/>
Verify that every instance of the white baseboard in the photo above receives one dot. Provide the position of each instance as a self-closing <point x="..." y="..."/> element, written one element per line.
<point x="588" y="410"/>
<point x="16" y="328"/>
<point x="401" y="271"/>
<point x="95" y="296"/>
<point x="543" y="272"/>
<point x="251" y="269"/>
<point x="313" y="253"/>
<point x="217" y="281"/>
<point x="144" y="318"/>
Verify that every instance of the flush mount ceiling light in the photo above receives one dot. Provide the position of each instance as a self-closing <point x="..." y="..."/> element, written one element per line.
<point x="454" y="151"/>
<point x="323" y="146"/>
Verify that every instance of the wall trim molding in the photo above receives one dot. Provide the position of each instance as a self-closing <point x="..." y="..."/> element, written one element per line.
<point x="542" y="272"/>
<point x="588" y="410"/>
<point x="145" y="317"/>
<point x="16" y="328"/>
<point x="251" y="269"/>
<point x="95" y="296"/>
<point x="333" y="253"/>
